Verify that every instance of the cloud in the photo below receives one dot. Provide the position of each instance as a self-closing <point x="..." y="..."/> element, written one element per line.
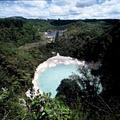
<point x="85" y="3"/>
<point x="64" y="9"/>
<point x="56" y="10"/>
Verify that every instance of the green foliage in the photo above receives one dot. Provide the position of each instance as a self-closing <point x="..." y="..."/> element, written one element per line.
<point x="43" y="107"/>
<point x="85" y="40"/>
<point x="23" y="47"/>
<point x="57" y="110"/>
<point x="84" y="86"/>
<point x="21" y="31"/>
<point x="83" y="95"/>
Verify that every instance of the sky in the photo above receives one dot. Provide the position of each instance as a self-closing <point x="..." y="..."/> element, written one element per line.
<point x="62" y="9"/>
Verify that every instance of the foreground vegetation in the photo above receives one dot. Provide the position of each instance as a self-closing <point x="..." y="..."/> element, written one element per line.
<point x="23" y="47"/>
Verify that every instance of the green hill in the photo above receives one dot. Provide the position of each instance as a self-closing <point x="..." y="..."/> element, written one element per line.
<point x="23" y="47"/>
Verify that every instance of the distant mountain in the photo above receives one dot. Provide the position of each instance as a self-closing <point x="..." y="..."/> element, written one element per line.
<point x="17" y="18"/>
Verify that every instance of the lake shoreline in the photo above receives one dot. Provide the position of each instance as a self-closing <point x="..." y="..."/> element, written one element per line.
<point x="52" y="62"/>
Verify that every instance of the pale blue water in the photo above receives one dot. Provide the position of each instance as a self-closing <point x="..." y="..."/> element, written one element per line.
<point x="50" y="79"/>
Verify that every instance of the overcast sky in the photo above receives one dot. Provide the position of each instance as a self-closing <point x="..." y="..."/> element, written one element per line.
<point x="63" y="9"/>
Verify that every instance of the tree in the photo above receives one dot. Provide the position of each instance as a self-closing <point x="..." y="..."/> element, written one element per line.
<point x="84" y="86"/>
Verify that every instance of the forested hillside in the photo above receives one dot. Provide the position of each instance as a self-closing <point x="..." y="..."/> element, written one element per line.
<point x="89" y="40"/>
